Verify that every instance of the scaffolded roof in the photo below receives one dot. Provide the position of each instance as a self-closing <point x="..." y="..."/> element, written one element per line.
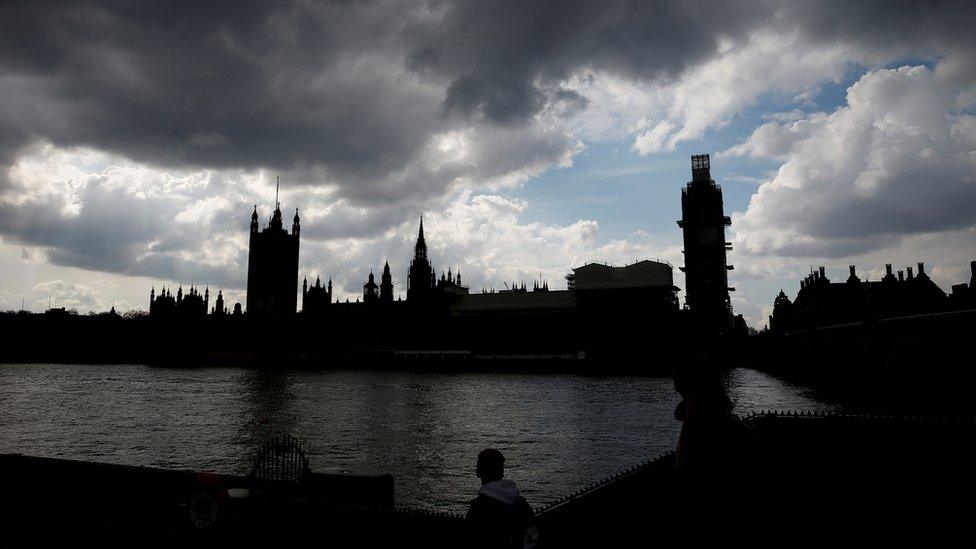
<point x="643" y="274"/>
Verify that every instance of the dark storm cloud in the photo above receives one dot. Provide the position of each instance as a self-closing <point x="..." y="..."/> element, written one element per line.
<point x="499" y="56"/>
<point x="297" y="85"/>
<point x="242" y="84"/>
<point x="496" y="54"/>
<point x="918" y="28"/>
<point x="288" y="86"/>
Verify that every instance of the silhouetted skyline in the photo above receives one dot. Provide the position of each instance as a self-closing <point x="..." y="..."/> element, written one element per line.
<point x="530" y="139"/>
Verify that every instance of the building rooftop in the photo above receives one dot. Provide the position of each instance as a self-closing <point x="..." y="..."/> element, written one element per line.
<point x="553" y="301"/>
<point x="643" y="274"/>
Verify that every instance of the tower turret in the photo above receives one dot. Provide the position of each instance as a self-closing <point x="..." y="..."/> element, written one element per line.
<point x="219" y="308"/>
<point x="295" y="226"/>
<point x="370" y="290"/>
<point x="386" y="285"/>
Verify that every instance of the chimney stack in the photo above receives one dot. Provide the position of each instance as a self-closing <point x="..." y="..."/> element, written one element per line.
<point x="888" y="269"/>
<point x="823" y="275"/>
<point x="901" y="276"/>
<point x="910" y="275"/>
<point x="921" y="268"/>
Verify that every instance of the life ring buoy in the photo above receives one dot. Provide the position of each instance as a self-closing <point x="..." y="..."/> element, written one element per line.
<point x="203" y="510"/>
<point x="206" y="502"/>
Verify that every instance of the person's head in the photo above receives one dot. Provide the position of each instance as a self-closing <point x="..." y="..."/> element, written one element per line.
<point x="491" y="465"/>
<point x="701" y="381"/>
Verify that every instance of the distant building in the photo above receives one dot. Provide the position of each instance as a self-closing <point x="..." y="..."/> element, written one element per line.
<point x="782" y="318"/>
<point x="219" y="308"/>
<point x="645" y="285"/>
<point x="272" y="266"/>
<point x="59" y="312"/>
<point x="449" y="286"/>
<point x="371" y="291"/>
<point x="963" y="297"/>
<point x="191" y="306"/>
<point x="420" y="277"/>
<point x="386" y="285"/>
<point x="821" y="302"/>
<point x="646" y="288"/>
<point x="317" y="298"/>
<point x="423" y="287"/>
<point x="539" y="303"/>
<point x="703" y="222"/>
<point x="602" y="293"/>
<point x="643" y="274"/>
<point x="607" y="313"/>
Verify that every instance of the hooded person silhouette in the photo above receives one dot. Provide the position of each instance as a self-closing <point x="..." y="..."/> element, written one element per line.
<point x="500" y="515"/>
<point x="714" y="445"/>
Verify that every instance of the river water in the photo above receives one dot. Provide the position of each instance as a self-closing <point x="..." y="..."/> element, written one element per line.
<point x="559" y="432"/>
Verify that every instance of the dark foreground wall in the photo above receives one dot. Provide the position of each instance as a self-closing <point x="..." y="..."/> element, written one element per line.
<point x="828" y="478"/>
<point x="831" y="478"/>
<point x="51" y="501"/>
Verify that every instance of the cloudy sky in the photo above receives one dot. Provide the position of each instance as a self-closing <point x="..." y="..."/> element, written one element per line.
<point x="532" y="136"/>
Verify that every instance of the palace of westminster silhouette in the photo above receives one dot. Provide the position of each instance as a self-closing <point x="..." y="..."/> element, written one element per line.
<point x="642" y="289"/>
<point x="602" y="299"/>
<point x="622" y="316"/>
<point x="614" y="317"/>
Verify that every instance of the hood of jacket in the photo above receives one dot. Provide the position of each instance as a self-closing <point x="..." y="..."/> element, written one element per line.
<point x="502" y="490"/>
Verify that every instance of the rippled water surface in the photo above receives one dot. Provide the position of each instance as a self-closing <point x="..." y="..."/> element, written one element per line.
<point x="558" y="431"/>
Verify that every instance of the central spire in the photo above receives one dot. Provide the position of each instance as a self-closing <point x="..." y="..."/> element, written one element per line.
<point x="420" y="250"/>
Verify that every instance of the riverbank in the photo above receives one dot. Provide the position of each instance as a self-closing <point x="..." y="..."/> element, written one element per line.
<point x="807" y="472"/>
